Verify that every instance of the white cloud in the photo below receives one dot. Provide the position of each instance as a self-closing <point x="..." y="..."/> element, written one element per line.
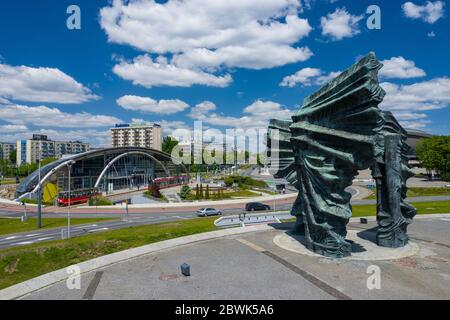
<point x="340" y="24"/>
<point x="431" y="34"/>
<point x="308" y="77"/>
<point x="257" y="57"/>
<point x="256" y="115"/>
<point x="410" y="102"/>
<point x="420" y="124"/>
<point x="201" y="37"/>
<point x="167" y="126"/>
<point x="148" y="73"/>
<point x="146" y="104"/>
<point x="399" y="67"/>
<point x="12" y="128"/>
<point x="420" y="96"/>
<point x="41" y="85"/>
<point x="429" y="12"/>
<point x="44" y="116"/>
<point x="97" y="138"/>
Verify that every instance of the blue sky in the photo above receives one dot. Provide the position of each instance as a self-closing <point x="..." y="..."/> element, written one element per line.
<point x="227" y="63"/>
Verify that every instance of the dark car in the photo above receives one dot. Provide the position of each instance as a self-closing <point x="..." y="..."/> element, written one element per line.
<point x="256" y="206"/>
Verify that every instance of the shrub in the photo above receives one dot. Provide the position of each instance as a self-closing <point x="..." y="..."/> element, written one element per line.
<point x="185" y="191"/>
<point x="100" y="201"/>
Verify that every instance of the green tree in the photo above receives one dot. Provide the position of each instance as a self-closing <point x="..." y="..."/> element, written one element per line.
<point x="168" y="144"/>
<point x="201" y="191"/>
<point x="197" y="192"/>
<point x="434" y="154"/>
<point x="13" y="156"/>
<point x="207" y="192"/>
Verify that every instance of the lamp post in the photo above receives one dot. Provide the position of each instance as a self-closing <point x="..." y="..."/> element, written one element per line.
<point x="39" y="208"/>
<point x="69" y="168"/>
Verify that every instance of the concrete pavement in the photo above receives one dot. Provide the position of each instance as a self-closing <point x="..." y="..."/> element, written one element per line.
<point x="251" y="266"/>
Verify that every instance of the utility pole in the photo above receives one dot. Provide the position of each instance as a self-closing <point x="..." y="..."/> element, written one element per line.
<point x="69" y="168"/>
<point x="39" y="208"/>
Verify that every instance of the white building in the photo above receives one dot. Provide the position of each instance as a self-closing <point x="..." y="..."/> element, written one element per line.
<point x="40" y="147"/>
<point x="136" y="135"/>
<point x="6" y="149"/>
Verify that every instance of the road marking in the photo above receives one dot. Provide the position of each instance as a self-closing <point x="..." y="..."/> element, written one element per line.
<point x="33" y="234"/>
<point x="445" y="219"/>
<point x="101" y="229"/>
<point x="89" y="294"/>
<point x="24" y="243"/>
<point x="184" y="218"/>
<point x="10" y="238"/>
<point x="83" y="227"/>
<point x="45" y="238"/>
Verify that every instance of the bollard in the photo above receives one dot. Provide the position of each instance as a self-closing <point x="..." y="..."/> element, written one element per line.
<point x="186" y="269"/>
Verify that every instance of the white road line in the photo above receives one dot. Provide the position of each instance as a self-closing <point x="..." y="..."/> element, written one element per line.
<point x="101" y="229"/>
<point x="10" y="238"/>
<point x="83" y="227"/>
<point x="24" y="243"/>
<point x="46" y="238"/>
<point x="445" y="219"/>
<point x="33" y="234"/>
<point x="184" y="218"/>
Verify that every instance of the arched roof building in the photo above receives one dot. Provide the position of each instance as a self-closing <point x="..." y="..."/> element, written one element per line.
<point x="104" y="169"/>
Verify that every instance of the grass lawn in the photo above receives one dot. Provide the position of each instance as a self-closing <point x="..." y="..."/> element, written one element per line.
<point x="22" y="263"/>
<point x="420" y="192"/>
<point x="8" y="225"/>
<point x="422" y="208"/>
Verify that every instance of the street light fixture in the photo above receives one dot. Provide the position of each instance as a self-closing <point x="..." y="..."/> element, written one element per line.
<point x="69" y="168"/>
<point x="39" y="209"/>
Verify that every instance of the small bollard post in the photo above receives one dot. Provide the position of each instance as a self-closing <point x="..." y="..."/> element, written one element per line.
<point x="186" y="269"/>
<point x="363" y="220"/>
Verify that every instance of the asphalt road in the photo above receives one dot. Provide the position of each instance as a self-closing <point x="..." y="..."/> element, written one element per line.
<point x="36" y="236"/>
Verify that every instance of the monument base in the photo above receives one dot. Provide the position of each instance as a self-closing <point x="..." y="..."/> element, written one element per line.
<point x="363" y="247"/>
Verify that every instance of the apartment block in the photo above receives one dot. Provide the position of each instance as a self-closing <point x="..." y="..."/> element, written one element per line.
<point x="6" y="149"/>
<point x="136" y="135"/>
<point x="40" y="147"/>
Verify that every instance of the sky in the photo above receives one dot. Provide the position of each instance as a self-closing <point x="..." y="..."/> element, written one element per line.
<point x="235" y="63"/>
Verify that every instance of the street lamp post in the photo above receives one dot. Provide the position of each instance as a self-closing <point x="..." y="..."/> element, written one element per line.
<point x="39" y="208"/>
<point x="69" y="168"/>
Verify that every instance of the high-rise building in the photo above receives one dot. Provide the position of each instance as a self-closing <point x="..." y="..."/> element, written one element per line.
<point x="137" y="135"/>
<point x="5" y="150"/>
<point x="40" y="147"/>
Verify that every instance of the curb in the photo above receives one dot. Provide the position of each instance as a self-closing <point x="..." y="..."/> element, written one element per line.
<point x="24" y="288"/>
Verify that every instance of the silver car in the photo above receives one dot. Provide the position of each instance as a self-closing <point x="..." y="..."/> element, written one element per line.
<point x="204" y="212"/>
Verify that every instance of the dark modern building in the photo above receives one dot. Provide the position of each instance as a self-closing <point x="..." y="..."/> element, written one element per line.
<point x="415" y="136"/>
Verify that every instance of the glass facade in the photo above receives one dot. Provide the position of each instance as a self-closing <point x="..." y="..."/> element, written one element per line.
<point x="127" y="172"/>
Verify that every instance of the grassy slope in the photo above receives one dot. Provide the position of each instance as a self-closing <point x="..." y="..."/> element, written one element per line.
<point x="422" y="192"/>
<point x="15" y="225"/>
<point x="422" y="208"/>
<point x="22" y="263"/>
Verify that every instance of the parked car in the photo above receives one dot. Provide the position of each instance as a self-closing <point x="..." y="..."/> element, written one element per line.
<point x="256" y="206"/>
<point x="205" y="212"/>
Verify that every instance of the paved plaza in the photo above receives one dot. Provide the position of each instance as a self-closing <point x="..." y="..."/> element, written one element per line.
<point x="253" y="266"/>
